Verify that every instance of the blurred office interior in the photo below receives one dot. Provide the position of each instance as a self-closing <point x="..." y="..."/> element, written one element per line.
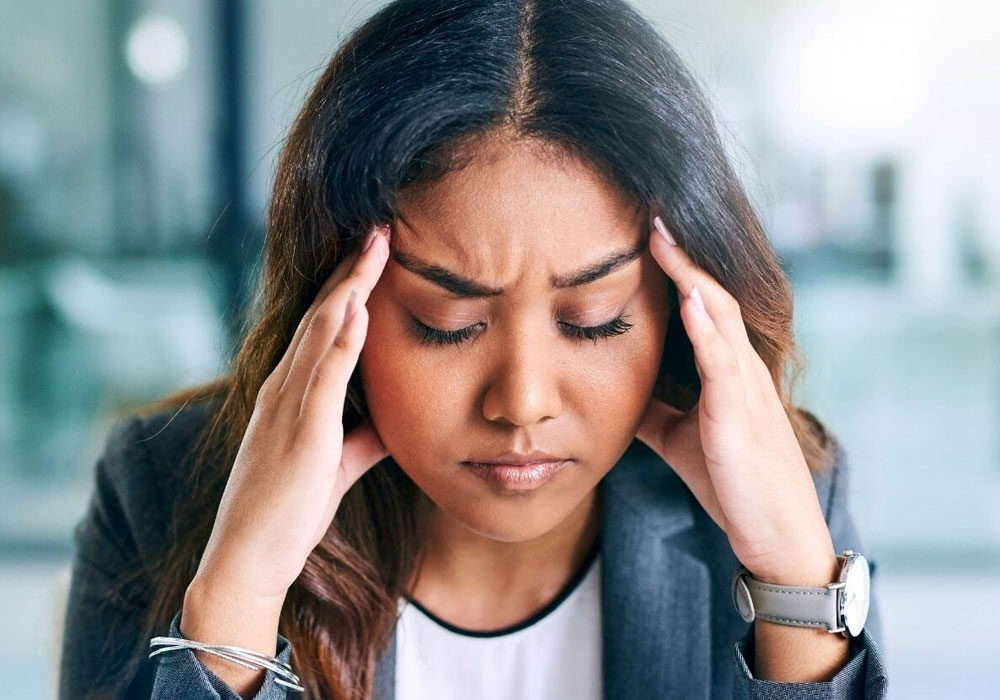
<point x="137" y="142"/>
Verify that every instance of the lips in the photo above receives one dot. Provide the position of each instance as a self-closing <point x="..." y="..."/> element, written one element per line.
<point x="517" y="459"/>
<point x="518" y="477"/>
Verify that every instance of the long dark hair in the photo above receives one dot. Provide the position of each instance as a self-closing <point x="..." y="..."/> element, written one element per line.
<point x="405" y="100"/>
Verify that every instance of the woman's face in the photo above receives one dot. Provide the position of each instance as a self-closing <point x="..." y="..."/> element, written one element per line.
<point x="518" y="378"/>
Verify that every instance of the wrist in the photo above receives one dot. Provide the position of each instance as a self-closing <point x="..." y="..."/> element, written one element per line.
<point x="216" y="612"/>
<point x="822" y="571"/>
<point x="802" y="654"/>
<point x="228" y="580"/>
<point x="802" y="559"/>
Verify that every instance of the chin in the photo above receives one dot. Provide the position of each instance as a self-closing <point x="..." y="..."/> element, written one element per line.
<point x="524" y="525"/>
<point x="506" y="517"/>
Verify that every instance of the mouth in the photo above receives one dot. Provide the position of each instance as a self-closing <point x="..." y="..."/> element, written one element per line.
<point x="518" y="476"/>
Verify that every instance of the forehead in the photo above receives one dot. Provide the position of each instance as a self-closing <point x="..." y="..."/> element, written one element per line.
<point x="512" y="203"/>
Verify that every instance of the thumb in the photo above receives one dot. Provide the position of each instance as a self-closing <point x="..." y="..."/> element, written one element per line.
<point x="363" y="449"/>
<point x="678" y="443"/>
<point x="656" y="423"/>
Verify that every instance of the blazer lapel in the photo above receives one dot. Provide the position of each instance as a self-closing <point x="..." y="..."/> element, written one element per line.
<point x="654" y="594"/>
<point x="385" y="672"/>
<point x="655" y="598"/>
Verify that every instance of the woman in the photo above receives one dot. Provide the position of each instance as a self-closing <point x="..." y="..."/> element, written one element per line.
<point x="561" y="272"/>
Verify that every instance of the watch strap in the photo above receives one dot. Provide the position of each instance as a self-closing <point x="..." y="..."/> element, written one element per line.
<point x="801" y="606"/>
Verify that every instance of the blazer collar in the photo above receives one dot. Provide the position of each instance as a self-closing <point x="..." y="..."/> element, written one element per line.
<point x="654" y="592"/>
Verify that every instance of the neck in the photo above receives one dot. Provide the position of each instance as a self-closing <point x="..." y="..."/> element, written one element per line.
<point x="481" y="583"/>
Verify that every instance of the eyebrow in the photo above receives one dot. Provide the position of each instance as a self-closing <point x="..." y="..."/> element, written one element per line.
<point x="470" y="288"/>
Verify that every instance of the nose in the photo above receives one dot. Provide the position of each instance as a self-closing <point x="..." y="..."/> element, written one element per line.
<point x="524" y="385"/>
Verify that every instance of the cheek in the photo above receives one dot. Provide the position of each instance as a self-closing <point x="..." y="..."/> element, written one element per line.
<point x="609" y="397"/>
<point x="644" y="358"/>
<point x="617" y="377"/>
<point x="413" y="403"/>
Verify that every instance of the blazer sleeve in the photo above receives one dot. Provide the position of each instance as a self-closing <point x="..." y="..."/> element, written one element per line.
<point x="863" y="676"/>
<point x="102" y="652"/>
<point x="181" y="675"/>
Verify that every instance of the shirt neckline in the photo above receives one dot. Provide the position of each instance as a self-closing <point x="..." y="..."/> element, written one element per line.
<point x="567" y="590"/>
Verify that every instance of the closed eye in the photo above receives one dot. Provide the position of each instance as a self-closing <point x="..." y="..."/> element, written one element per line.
<point x="428" y="335"/>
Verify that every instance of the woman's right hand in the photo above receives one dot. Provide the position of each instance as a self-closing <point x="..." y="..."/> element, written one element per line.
<point x="294" y="464"/>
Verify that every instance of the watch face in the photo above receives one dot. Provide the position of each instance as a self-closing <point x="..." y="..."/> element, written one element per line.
<point x="854" y="596"/>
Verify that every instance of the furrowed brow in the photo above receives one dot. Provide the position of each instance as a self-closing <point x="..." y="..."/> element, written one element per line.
<point x="469" y="288"/>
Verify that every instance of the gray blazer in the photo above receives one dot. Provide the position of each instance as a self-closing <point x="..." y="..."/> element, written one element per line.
<point x="669" y="628"/>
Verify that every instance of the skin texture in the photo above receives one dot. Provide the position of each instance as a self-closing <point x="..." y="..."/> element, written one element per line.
<point x="511" y="220"/>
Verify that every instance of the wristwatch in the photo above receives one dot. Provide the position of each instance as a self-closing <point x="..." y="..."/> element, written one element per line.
<point x="841" y="606"/>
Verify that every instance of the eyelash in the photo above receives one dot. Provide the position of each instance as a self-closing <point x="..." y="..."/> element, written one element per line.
<point x="428" y="335"/>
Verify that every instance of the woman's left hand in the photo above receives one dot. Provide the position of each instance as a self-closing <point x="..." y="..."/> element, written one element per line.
<point x="736" y="450"/>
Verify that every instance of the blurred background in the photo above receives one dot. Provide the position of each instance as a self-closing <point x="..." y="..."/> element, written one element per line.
<point x="138" y="140"/>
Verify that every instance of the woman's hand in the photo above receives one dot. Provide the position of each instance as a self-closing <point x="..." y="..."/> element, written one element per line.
<point x="290" y="474"/>
<point x="294" y="464"/>
<point x="736" y="449"/>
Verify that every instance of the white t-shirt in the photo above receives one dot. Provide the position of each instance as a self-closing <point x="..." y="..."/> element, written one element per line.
<point x="554" y="654"/>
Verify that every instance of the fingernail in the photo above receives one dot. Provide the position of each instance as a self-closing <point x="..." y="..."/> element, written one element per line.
<point x="662" y="228"/>
<point x="352" y="306"/>
<point x="369" y="239"/>
<point x="699" y="303"/>
<point x="376" y="230"/>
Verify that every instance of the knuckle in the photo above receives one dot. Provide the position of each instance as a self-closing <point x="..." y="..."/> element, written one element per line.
<point x="340" y="341"/>
<point x="344" y="340"/>
<point x="325" y="322"/>
<point x="263" y="407"/>
<point x="761" y="366"/>
<point x="262" y="403"/>
<point x="266" y="391"/>
<point x="676" y="268"/>
<point x="732" y="305"/>
<point x="324" y="374"/>
<point x="355" y="276"/>
<point x="307" y="317"/>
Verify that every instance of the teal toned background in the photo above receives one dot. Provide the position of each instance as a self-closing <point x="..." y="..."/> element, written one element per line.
<point x="137" y="142"/>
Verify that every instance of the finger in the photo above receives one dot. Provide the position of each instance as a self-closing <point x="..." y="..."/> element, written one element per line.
<point x="363" y="449"/>
<point x="659" y="419"/>
<point x="723" y="395"/>
<point x="677" y="443"/>
<point x="322" y="403"/>
<point x="280" y="372"/>
<point x="721" y="305"/>
<point x="326" y="322"/>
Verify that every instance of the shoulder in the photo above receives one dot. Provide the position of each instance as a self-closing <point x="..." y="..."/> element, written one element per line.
<point x="168" y="437"/>
<point x="141" y="472"/>
<point x="144" y="451"/>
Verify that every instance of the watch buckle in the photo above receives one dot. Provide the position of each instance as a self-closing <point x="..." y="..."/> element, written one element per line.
<point x="837" y="586"/>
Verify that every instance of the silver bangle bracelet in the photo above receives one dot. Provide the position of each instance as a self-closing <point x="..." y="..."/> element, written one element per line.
<point x="238" y="655"/>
